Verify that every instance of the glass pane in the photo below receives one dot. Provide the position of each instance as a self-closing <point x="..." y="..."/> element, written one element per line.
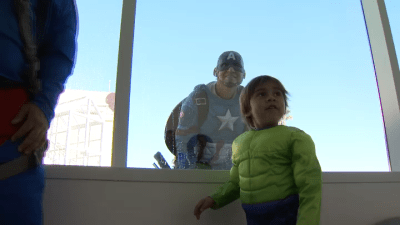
<point x="319" y="50"/>
<point x="81" y="132"/>
<point x="392" y="8"/>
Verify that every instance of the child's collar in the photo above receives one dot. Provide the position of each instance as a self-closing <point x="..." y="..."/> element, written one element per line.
<point x="268" y="127"/>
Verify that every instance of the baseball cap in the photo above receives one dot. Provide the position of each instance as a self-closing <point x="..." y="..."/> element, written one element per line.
<point x="230" y="59"/>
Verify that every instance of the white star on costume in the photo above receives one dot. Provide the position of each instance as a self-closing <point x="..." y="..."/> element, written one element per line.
<point x="227" y="120"/>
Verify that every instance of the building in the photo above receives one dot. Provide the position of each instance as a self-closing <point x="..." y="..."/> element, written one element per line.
<point x="82" y="129"/>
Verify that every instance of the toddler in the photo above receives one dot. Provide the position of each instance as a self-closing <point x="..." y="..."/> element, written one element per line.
<point x="275" y="173"/>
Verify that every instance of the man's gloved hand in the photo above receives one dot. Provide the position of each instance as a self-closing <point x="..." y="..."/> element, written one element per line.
<point x="33" y="130"/>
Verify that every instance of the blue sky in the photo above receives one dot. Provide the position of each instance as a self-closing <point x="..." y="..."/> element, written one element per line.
<point x="318" y="49"/>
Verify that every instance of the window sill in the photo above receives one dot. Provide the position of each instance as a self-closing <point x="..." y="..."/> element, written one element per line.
<point x="193" y="176"/>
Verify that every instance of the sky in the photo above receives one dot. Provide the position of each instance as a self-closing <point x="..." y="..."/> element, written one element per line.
<point x="318" y="49"/>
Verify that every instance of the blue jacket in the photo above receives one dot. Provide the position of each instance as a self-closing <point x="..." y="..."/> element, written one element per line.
<point x="271" y="164"/>
<point x="57" y="54"/>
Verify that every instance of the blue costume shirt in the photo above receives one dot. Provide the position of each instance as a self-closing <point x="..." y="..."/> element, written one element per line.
<point x="223" y="123"/>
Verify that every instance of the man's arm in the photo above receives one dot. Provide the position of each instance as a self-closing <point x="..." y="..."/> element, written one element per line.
<point x="57" y="57"/>
<point x="187" y="128"/>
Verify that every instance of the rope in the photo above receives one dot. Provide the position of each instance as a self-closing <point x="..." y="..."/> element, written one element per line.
<point x="24" y="12"/>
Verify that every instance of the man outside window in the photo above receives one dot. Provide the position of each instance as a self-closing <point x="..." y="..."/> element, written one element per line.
<point x="208" y="146"/>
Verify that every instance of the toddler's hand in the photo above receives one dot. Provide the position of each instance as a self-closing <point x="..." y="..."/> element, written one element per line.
<point x="203" y="204"/>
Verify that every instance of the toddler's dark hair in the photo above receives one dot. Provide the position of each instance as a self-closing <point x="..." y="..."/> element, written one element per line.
<point x="248" y="92"/>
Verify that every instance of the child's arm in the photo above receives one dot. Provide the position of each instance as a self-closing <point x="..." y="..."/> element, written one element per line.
<point x="308" y="178"/>
<point x="228" y="192"/>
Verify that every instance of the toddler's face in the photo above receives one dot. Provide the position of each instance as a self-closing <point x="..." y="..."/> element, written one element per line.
<point x="267" y="105"/>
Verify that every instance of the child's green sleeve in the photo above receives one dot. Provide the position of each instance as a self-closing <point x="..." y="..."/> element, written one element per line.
<point x="308" y="178"/>
<point x="228" y="192"/>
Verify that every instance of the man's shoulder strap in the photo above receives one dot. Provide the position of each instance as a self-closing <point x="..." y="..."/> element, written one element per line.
<point x="201" y="100"/>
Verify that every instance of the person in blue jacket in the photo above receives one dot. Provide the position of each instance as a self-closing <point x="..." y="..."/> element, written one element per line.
<point x="222" y="124"/>
<point x="275" y="173"/>
<point x="25" y="117"/>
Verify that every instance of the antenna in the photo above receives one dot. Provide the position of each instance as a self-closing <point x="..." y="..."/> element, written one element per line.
<point x="109" y="85"/>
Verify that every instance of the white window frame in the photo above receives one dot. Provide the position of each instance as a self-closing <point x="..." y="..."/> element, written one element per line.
<point x="123" y="85"/>
<point x="387" y="73"/>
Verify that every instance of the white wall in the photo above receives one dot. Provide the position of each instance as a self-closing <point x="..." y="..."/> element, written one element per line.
<point x="95" y="195"/>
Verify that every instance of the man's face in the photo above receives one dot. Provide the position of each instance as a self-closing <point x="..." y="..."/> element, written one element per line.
<point x="229" y="78"/>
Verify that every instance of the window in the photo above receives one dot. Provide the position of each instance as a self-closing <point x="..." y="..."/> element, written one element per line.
<point x="81" y="132"/>
<point x="318" y="49"/>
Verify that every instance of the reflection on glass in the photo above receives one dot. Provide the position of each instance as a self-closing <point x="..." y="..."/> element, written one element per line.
<point x="320" y="51"/>
<point x="82" y="130"/>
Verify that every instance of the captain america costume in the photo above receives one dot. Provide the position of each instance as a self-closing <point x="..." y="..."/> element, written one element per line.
<point x="223" y="125"/>
<point x="21" y="195"/>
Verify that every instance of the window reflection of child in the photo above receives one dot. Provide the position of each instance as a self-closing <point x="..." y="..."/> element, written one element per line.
<point x="291" y="194"/>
